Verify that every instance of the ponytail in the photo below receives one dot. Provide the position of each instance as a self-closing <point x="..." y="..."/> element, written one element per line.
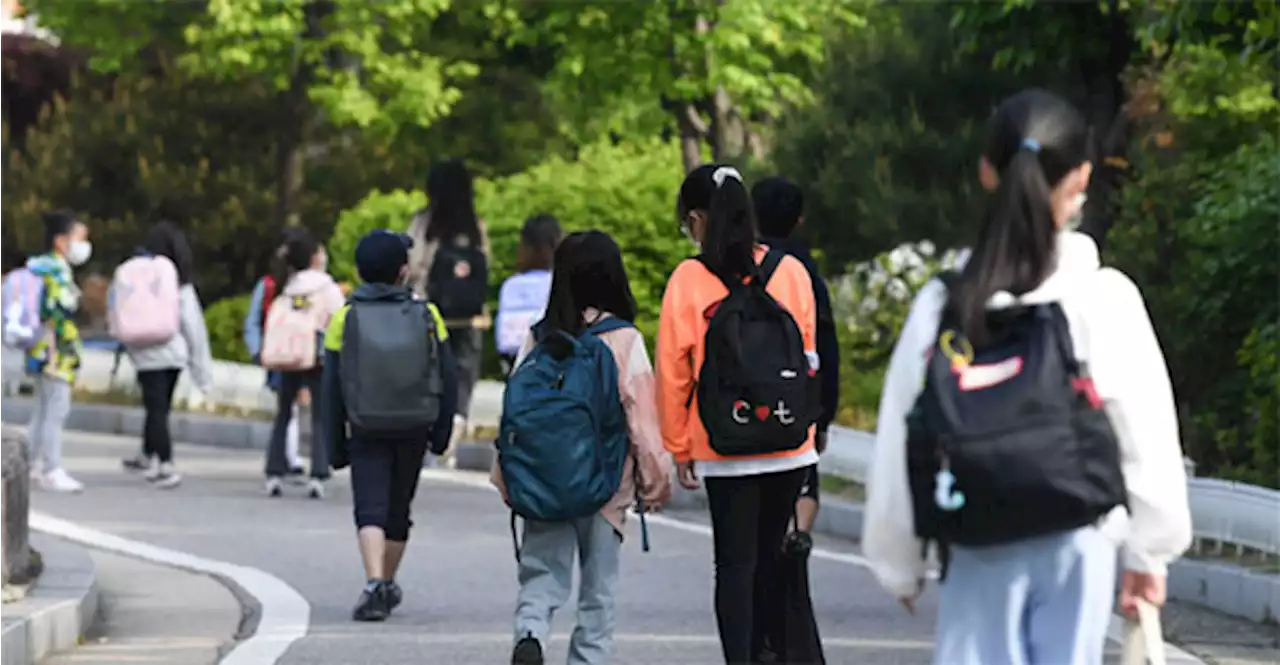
<point x="728" y="246"/>
<point x="1037" y="138"/>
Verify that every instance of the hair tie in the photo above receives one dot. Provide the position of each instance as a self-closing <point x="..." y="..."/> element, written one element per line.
<point x="725" y="172"/>
<point x="1031" y="144"/>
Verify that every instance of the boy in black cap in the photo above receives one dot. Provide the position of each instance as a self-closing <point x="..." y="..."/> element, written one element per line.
<point x="390" y="392"/>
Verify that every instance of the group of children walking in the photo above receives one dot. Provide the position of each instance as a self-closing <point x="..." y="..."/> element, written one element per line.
<point x="1026" y="435"/>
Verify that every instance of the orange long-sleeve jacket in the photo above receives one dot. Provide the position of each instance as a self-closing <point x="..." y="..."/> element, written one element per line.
<point x="682" y="332"/>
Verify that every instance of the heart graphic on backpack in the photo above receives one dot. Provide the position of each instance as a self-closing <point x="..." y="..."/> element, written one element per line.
<point x="762" y="413"/>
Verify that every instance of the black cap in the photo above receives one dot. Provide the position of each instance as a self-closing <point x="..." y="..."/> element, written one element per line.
<point x="381" y="254"/>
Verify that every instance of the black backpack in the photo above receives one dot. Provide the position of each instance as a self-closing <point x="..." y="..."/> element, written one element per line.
<point x="1010" y="440"/>
<point x="458" y="282"/>
<point x="756" y="392"/>
<point x="391" y="368"/>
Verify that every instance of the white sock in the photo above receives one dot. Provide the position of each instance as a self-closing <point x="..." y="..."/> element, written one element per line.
<point x="291" y="440"/>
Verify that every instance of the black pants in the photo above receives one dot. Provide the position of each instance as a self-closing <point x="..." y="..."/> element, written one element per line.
<point x="749" y="517"/>
<point x="467" y="344"/>
<point x="384" y="477"/>
<point x="290" y="384"/>
<point x="157" y="402"/>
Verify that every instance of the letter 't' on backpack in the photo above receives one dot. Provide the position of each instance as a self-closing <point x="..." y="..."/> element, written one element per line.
<point x="458" y="282"/>
<point x="756" y="390"/>
<point x="21" y="309"/>
<point x="1010" y="440"/>
<point x="291" y="337"/>
<point x="563" y="440"/>
<point x="392" y="381"/>
<point x="144" y="307"/>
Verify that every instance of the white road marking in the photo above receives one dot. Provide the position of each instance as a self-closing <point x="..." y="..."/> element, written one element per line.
<point x="1115" y="631"/>
<point x="284" y="615"/>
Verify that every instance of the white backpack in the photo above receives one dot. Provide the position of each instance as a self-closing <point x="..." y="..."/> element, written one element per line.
<point x="290" y="342"/>
<point x="144" y="308"/>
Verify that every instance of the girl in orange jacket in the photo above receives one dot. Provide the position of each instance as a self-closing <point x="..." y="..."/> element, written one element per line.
<point x="751" y="497"/>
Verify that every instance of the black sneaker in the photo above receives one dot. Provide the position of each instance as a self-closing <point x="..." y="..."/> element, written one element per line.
<point x="138" y="462"/>
<point x="395" y="595"/>
<point x="373" y="604"/>
<point x="527" y="652"/>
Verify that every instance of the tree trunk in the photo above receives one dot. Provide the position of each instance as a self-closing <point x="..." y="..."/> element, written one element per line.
<point x="295" y="118"/>
<point x="693" y="129"/>
<point x="1104" y="80"/>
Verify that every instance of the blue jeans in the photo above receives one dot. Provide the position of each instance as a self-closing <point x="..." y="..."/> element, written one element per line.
<point x="546" y="579"/>
<point x="1042" y="601"/>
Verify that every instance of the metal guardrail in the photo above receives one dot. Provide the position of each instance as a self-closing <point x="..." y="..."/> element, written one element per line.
<point x="1221" y="511"/>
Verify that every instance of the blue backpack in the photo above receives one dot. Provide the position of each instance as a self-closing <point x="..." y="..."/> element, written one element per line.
<point x="563" y="441"/>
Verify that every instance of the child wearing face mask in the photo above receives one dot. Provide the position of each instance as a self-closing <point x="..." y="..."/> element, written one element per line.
<point x="54" y="358"/>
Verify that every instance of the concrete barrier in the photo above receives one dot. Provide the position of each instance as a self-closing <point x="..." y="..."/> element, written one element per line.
<point x="58" y="609"/>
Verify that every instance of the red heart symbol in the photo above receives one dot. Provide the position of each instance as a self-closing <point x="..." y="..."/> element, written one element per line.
<point x="762" y="412"/>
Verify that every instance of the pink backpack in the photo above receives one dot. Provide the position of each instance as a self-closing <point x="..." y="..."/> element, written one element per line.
<point x="290" y="342"/>
<point x="144" y="304"/>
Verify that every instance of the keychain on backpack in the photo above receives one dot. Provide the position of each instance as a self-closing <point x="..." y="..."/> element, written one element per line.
<point x="944" y="493"/>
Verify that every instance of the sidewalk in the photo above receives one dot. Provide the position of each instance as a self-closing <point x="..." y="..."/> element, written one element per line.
<point x="151" y="614"/>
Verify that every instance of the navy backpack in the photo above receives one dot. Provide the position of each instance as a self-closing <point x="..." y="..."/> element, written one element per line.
<point x="563" y="440"/>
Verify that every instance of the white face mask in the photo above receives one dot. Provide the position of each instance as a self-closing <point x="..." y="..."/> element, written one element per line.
<point x="1074" y="221"/>
<point x="79" y="252"/>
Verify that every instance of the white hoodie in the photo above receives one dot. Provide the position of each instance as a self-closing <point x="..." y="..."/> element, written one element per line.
<point x="325" y="292"/>
<point x="1112" y="332"/>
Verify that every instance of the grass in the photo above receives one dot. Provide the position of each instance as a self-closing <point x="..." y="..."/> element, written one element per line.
<point x="849" y="490"/>
<point x="122" y="397"/>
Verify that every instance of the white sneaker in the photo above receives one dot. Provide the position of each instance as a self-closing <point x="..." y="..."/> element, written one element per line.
<point x="153" y="472"/>
<point x="168" y="477"/>
<point x="274" y="487"/>
<point x="315" y="488"/>
<point x="59" y="480"/>
<point x="37" y="471"/>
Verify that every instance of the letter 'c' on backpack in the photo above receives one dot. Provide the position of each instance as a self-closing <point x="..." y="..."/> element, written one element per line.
<point x="757" y="393"/>
<point x="1009" y="440"/>
<point x="144" y="308"/>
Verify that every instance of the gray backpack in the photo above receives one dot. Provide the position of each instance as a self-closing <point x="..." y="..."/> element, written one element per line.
<point x="391" y="375"/>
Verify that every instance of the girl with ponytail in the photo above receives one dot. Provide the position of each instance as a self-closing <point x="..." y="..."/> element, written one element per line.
<point x="751" y="496"/>
<point x="1044" y="598"/>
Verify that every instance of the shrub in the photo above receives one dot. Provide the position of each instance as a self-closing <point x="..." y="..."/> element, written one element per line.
<point x="377" y="210"/>
<point x="225" y="321"/>
<point x="627" y="191"/>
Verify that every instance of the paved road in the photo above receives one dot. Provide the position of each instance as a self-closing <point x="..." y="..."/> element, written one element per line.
<point x="459" y="576"/>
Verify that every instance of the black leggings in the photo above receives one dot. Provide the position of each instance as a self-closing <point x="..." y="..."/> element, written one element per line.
<point x="290" y="384"/>
<point x="157" y="402"/>
<point x="749" y="517"/>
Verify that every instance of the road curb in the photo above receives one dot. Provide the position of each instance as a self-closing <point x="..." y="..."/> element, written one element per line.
<point x="837" y="517"/>
<point x="59" y="607"/>
<point x="204" y="429"/>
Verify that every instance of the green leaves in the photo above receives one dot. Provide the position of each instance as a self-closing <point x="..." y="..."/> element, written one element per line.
<point x="362" y="61"/>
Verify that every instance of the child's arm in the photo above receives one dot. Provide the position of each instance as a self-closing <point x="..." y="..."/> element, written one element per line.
<point x="639" y="398"/>
<point x="333" y="408"/>
<point x="253" y="321"/>
<point x="443" y="429"/>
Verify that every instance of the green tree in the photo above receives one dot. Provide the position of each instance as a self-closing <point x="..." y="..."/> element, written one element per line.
<point x="714" y="71"/>
<point x="341" y="62"/>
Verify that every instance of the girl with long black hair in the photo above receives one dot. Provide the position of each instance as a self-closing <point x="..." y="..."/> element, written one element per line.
<point x="751" y="497"/>
<point x="159" y="366"/>
<point x="1046" y="598"/>
<point x="449" y="266"/>
<point x="589" y="284"/>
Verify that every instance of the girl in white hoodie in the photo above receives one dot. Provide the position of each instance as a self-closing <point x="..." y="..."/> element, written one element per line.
<point x="302" y="272"/>
<point x="1043" y="599"/>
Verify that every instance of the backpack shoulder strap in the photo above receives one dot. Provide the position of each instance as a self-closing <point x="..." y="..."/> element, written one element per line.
<point x="948" y="278"/>
<point x="768" y="266"/>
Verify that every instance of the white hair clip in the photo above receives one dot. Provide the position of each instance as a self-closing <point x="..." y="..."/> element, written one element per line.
<point x="725" y="172"/>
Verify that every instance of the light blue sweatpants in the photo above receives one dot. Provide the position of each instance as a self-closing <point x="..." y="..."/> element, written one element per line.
<point x="1043" y="601"/>
<point x="44" y="432"/>
<point x="546" y="579"/>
